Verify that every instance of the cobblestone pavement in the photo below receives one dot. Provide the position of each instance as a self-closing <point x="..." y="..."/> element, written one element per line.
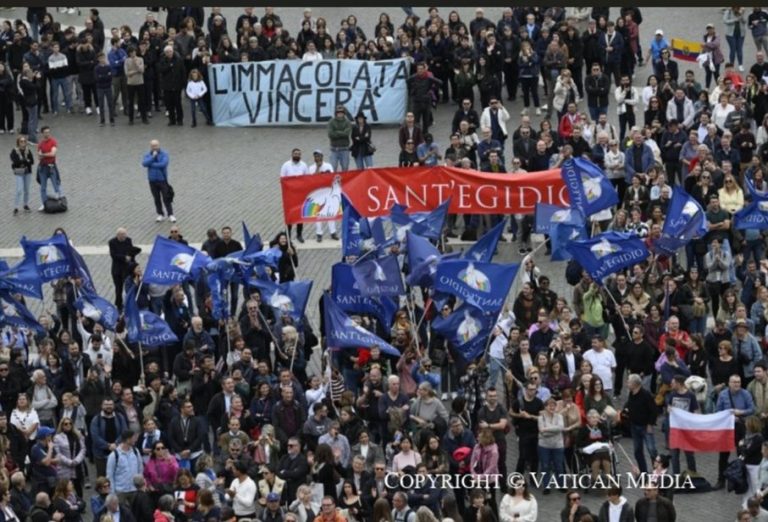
<point x="222" y="176"/>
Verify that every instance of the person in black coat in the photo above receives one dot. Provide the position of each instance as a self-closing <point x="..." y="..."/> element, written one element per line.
<point x="362" y="149"/>
<point x="293" y="469"/>
<point x="186" y="433"/>
<point x="665" y="509"/>
<point x="123" y="254"/>
<point x="172" y="76"/>
<point x="288" y="261"/>
<point x="7" y="96"/>
<point x="142" y="505"/>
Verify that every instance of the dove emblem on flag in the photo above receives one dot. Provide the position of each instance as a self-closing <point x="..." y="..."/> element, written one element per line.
<point x="604" y="248"/>
<point x="475" y="279"/>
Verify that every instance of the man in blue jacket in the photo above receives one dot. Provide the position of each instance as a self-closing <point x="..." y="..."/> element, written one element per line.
<point x="156" y="162"/>
<point x="106" y="428"/>
<point x="638" y="157"/>
<point x="117" y="56"/>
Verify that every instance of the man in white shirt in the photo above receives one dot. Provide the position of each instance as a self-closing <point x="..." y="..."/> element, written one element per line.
<point x="318" y="167"/>
<point x="295" y="167"/>
<point x="603" y="362"/>
<point x="242" y="492"/>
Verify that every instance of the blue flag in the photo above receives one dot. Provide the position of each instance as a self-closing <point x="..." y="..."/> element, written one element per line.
<point x="548" y="215"/>
<point x="246" y="234"/>
<point x="423" y="257"/>
<point x="484" y="285"/>
<point x="753" y="215"/>
<point x="269" y="257"/>
<point x="22" y="278"/>
<point x="343" y="332"/>
<point x="559" y="236"/>
<point x="3" y="265"/>
<point x="467" y="329"/>
<point x="588" y="188"/>
<point x="484" y="248"/>
<point x="379" y="277"/>
<point x="219" y="295"/>
<point x="685" y="219"/>
<point x="52" y="257"/>
<point x="608" y="253"/>
<point x="429" y="225"/>
<point x="346" y="294"/>
<point x="171" y="262"/>
<point x="97" y="309"/>
<point x="81" y="271"/>
<point x="145" y="327"/>
<point x="353" y="229"/>
<point x="286" y="298"/>
<point x="14" y="313"/>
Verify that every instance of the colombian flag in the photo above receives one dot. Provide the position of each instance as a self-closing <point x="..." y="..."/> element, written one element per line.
<point x="687" y="50"/>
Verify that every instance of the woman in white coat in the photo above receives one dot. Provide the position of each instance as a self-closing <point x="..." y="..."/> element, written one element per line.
<point x="518" y="505"/>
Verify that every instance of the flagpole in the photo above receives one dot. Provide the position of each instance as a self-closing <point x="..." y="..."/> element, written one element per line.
<point x="141" y="351"/>
<point x="618" y="310"/>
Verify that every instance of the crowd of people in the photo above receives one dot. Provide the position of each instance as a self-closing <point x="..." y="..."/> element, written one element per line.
<point x="234" y="422"/>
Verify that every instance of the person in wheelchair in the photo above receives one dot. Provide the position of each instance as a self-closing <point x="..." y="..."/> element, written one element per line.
<point x="595" y="430"/>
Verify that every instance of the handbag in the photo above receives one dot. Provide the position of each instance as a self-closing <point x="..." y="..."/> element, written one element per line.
<point x="19" y="171"/>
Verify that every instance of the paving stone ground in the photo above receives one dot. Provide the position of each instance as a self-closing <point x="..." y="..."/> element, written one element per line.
<point x="223" y="176"/>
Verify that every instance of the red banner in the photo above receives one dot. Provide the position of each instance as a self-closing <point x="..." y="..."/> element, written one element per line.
<point x="374" y="191"/>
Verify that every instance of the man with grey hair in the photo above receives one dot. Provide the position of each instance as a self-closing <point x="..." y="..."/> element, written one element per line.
<point x="142" y="506"/>
<point x="401" y="512"/>
<point x="338" y="443"/>
<point x="641" y="409"/>
<point x="172" y="75"/>
<point x="41" y="511"/>
<point x="123" y="255"/>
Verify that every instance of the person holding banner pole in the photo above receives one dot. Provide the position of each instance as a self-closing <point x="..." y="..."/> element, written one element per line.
<point x="295" y="167"/>
<point x="320" y="167"/>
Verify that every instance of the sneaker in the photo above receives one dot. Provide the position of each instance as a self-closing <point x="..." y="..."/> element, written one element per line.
<point x="11" y="131"/>
<point x="87" y="485"/>
<point x="88" y="111"/>
<point x="159" y="218"/>
<point x="27" y="209"/>
<point x="71" y="10"/>
<point x="15" y="211"/>
<point x="172" y="218"/>
<point x="300" y="239"/>
<point x="522" y="251"/>
<point x="335" y="236"/>
<point x="538" y="111"/>
<point x="42" y="207"/>
<point x="98" y="110"/>
<point x="319" y="238"/>
<point x="524" y="112"/>
<point x="741" y="68"/>
<point x="444" y="397"/>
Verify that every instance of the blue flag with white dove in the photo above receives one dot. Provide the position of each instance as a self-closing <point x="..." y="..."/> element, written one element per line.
<point x="379" y="277"/>
<point x="484" y="285"/>
<point x="467" y="329"/>
<point x="98" y="309"/>
<point x="171" y="262"/>
<point x="346" y="294"/>
<point x="429" y="225"/>
<point x="485" y="247"/>
<point x="685" y="220"/>
<point x="52" y="257"/>
<point x="547" y="216"/>
<point x="342" y="332"/>
<point x="14" y="313"/>
<point x="589" y="190"/>
<point x="608" y="253"/>
<point x="559" y="236"/>
<point x="286" y="298"/>
<point x="144" y="326"/>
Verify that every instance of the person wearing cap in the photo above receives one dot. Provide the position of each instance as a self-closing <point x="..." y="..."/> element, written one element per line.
<point x="658" y="44"/>
<point x="44" y="459"/>
<point x="272" y="512"/>
<point x="339" y="134"/>
<point x="319" y="167"/>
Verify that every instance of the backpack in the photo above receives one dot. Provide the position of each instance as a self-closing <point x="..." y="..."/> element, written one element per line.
<point x="117" y="456"/>
<point x="736" y="476"/>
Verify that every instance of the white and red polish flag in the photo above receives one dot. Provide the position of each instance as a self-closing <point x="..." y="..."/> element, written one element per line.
<point x="713" y="432"/>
